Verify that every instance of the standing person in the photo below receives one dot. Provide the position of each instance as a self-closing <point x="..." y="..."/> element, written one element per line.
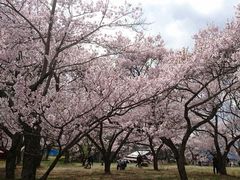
<point x="215" y="164"/>
<point x="89" y="162"/>
<point x="139" y="160"/>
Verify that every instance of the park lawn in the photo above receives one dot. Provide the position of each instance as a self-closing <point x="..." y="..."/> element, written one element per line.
<point x="75" y="171"/>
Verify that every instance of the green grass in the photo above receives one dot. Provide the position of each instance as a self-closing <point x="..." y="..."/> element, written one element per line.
<point x="75" y="171"/>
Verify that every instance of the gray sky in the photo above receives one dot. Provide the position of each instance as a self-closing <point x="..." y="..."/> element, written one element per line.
<point x="178" y="20"/>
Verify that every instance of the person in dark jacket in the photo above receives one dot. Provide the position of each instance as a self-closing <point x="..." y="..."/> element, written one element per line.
<point x="139" y="160"/>
<point x="89" y="162"/>
<point x="121" y="164"/>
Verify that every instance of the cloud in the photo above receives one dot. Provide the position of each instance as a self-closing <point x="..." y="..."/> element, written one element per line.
<point x="175" y="34"/>
<point x="178" y="20"/>
<point x="204" y="7"/>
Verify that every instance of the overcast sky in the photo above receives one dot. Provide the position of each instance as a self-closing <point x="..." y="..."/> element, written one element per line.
<point x="178" y="20"/>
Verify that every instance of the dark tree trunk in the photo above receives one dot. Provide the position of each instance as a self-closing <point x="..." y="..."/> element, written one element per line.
<point x="222" y="163"/>
<point x="10" y="165"/>
<point x="19" y="152"/>
<point x="179" y="155"/>
<point x="46" y="174"/>
<point x="19" y="157"/>
<point x="107" y="162"/>
<point x="155" y="155"/>
<point x="39" y="159"/>
<point x="61" y="152"/>
<point x="181" y="161"/>
<point x="222" y="169"/>
<point x="12" y="156"/>
<point x="181" y="168"/>
<point x="107" y="166"/>
<point x="47" y="156"/>
<point x="48" y="149"/>
<point x="155" y="163"/>
<point x="32" y="152"/>
<point x="238" y="149"/>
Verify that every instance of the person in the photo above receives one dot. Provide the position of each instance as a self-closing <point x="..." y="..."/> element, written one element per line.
<point x="89" y="162"/>
<point x="121" y="164"/>
<point x="215" y="165"/>
<point x="199" y="163"/>
<point x="139" y="160"/>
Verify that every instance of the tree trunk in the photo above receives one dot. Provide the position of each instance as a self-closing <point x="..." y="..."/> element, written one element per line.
<point x="107" y="166"/>
<point x="155" y="155"/>
<point x="39" y="159"/>
<point x="238" y="150"/>
<point x="222" y="163"/>
<point x="48" y="149"/>
<point x="46" y="174"/>
<point x="19" y="157"/>
<point x="10" y="165"/>
<point x="46" y="156"/>
<point x="179" y="153"/>
<point x="19" y="152"/>
<point x="60" y="153"/>
<point x="107" y="162"/>
<point x="155" y="162"/>
<point x="31" y="153"/>
<point x="12" y="156"/>
<point x="181" y="168"/>
<point x="222" y="169"/>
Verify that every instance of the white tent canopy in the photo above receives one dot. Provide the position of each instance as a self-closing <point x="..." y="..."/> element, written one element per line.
<point x="133" y="156"/>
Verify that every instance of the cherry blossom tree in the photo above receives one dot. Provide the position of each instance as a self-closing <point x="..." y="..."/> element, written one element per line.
<point x="151" y="140"/>
<point x="151" y="128"/>
<point x="109" y="140"/>
<point x="225" y="132"/>
<point x="66" y="69"/>
<point x="41" y="42"/>
<point x="108" y="94"/>
<point x="219" y="135"/>
<point x="187" y="102"/>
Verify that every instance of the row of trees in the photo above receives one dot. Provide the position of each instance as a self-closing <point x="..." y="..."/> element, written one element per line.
<point x="75" y="69"/>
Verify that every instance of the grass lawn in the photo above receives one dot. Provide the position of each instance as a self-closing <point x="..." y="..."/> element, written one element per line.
<point x="75" y="171"/>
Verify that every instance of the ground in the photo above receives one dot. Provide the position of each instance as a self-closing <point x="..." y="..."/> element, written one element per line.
<point x="75" y="171"/>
